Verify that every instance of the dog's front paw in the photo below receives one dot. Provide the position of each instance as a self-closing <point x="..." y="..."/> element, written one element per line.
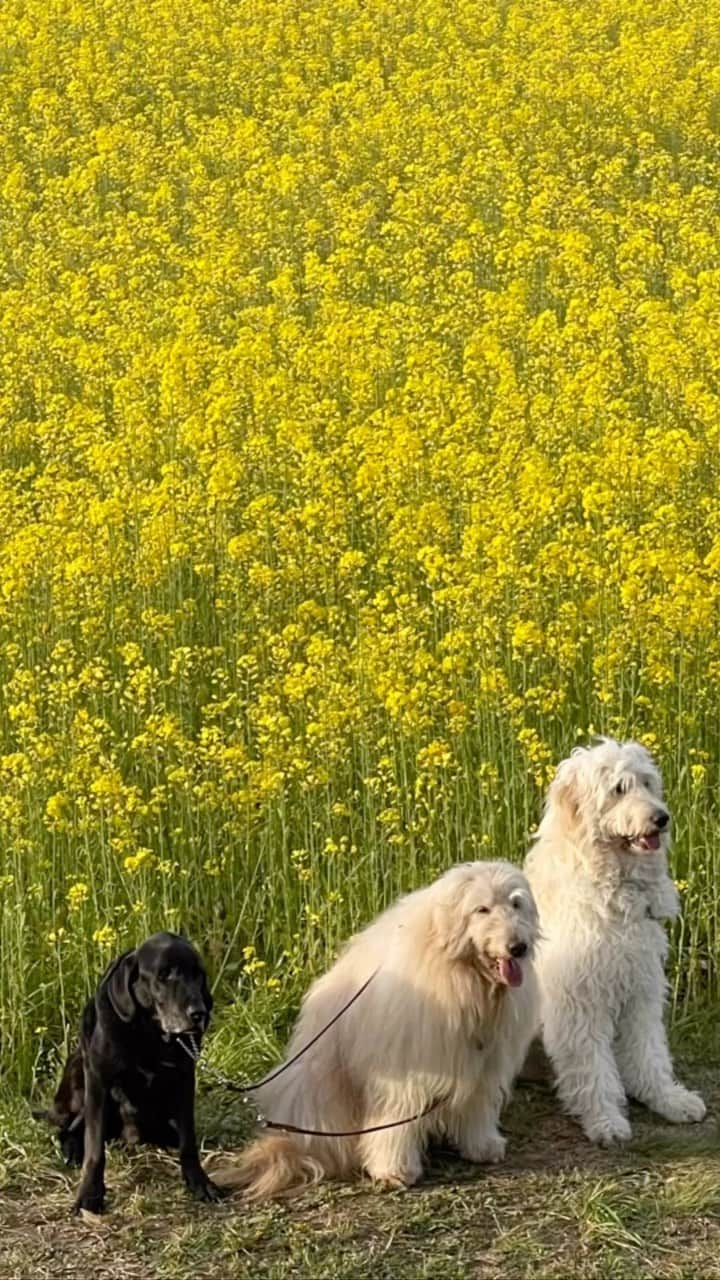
<point x="396" y="1181"/>
<point x="204" y="1190"/>
<point x="680" y="1106"/>
<point x="606" y="1131"/>
<point x="490" y="1149"/>
<point x="207" y="1192"/>
<point x="395" y="1177"/>
<point x="91" y="1201"/>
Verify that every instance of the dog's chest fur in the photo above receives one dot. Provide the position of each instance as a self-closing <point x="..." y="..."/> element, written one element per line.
<point x="629" y="902"/>
<point x="606" y="914"/>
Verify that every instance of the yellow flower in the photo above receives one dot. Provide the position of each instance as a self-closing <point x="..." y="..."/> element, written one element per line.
<point x="105" y="936"/>
<point x="352" y="471"/>
<point x="56" y="808"/>
<point x="134" y="861"/>
<point x="77" y="894"/>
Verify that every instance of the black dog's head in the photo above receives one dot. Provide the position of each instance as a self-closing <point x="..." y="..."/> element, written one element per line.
<point x="165" y="977"/>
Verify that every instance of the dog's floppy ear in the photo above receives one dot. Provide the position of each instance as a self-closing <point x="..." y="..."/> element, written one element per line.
<point x="449" y="920"/>
<point x="564" y="794"/>
<point x="143" y="994"/>
<point x="650" y="765"/>
<point x="118" y="986"/>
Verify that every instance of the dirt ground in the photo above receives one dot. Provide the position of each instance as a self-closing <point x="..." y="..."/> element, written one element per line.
<point x="556" y="1208"/>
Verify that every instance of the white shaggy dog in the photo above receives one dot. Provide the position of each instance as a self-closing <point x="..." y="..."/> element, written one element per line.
<point x="598" y="870"/>
<point x="449" y="1015"/>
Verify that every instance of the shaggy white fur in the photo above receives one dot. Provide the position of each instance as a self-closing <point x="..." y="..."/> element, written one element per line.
<point x="598" y="870"/>
<point x="449" y="1015"/>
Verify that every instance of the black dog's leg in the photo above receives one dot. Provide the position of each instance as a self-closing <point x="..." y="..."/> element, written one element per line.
<point x="91" y="1193"/>
<point x="72" y="1142"/>
<point x="66" y="1111"/>
<point x="130" y="1131"/>
<point x="196" y="1179"/>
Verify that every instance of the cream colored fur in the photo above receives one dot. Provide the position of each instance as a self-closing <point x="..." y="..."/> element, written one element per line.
<point x="437" y="1022"/>
<point x="598" y="870"/>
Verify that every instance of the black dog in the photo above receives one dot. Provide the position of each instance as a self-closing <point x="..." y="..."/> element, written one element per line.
<point x="132" y="1074"/>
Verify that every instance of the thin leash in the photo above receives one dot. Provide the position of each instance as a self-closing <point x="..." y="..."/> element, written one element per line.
<point x="221" y="1081"/>
<point x="350" y="1133"/>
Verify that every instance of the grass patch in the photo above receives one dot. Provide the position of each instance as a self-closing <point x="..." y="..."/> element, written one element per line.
<point x="557" y="1208"/>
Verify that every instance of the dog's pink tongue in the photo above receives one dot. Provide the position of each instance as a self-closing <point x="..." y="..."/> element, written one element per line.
<point x="650" y="843"/>
<point x="510" y="971"/>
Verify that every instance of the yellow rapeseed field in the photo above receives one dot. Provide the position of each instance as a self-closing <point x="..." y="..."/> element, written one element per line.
<point x="359" y="454"/>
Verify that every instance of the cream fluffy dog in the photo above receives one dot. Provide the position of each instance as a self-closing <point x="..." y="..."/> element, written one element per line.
<point x="449" y="1015"/>
<point x="598" y="870"/>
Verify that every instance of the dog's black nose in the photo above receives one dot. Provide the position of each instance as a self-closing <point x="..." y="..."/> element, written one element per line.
<point x="518" y="949"/>
<point x="661" y="819"/>
<point x="196" y="1014"/>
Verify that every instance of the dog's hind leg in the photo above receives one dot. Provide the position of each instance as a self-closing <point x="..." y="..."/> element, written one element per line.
<point x="67" y="1111"/>
<point x="644" y="1060"/>
<point x="72" y="1141"/>
<point x="130" y="1130"/>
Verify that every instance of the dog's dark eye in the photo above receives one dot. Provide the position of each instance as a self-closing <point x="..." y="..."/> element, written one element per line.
<point x="482" y="911"/>
<point x="163" y="974"/>
<point x="620" y="789"/>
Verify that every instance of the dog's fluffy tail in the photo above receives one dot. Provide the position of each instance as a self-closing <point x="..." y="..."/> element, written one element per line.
<point x="271" y="1166"/>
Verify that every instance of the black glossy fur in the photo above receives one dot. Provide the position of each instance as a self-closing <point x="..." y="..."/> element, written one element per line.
<point x="129" y="1076"/>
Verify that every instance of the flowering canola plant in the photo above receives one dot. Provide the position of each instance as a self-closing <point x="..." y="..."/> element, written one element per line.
<point x="359" y="455"/>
